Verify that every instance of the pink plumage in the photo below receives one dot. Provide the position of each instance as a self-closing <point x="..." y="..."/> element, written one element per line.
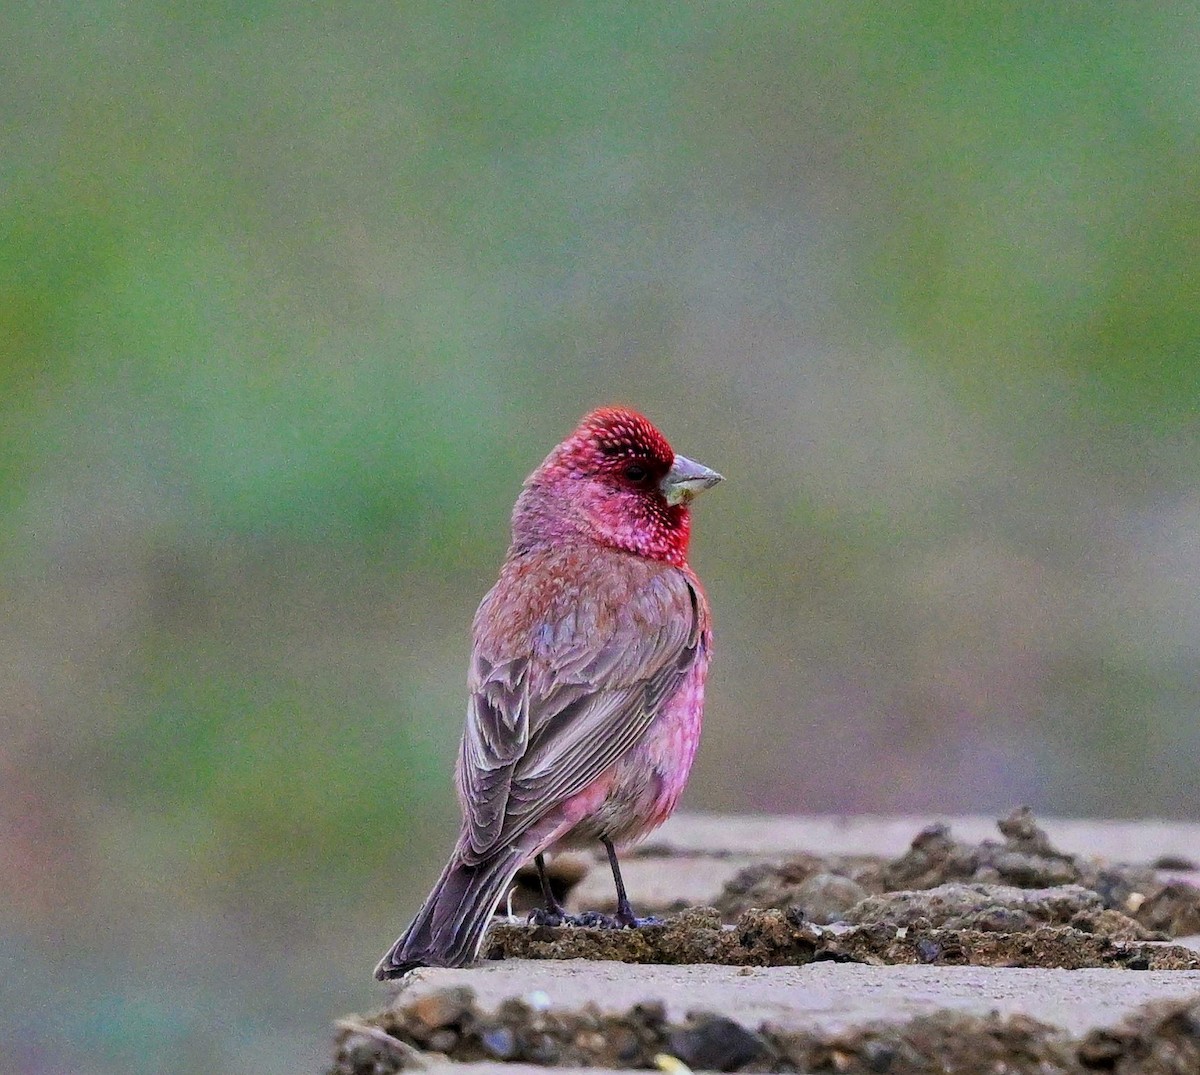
<point x="586" y="679"/>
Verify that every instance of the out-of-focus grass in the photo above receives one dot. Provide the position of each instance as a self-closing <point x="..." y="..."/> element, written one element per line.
<point x="291" y="300"/>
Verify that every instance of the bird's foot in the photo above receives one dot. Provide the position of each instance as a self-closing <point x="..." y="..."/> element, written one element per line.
<point x="594" y="920"/>
<point x="626" y="919"/>
<point x="542" y="916"/>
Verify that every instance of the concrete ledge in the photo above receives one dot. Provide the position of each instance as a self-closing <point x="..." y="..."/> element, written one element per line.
<point x="1063" y="1020"/>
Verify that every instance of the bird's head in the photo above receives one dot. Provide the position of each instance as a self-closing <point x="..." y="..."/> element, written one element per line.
<point x="617" y="481"/>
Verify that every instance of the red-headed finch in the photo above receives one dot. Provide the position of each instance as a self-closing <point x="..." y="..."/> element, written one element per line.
<point x="586" y="679"/>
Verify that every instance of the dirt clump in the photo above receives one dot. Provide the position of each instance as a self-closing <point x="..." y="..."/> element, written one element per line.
<point x="1017" y="902"/>
<point x="1162" y="1038"/>
<point x="1172" y="909"/>
<point x="1131" y="902"/>
<point x="998" y="909"/>
<point x="1049" y="947"/>
<point x="947" y="1042"/>
<point x="520" y="1029"/>
<point x="774" y="938"/>
<point x="760" y="938"/>
<point x="800" y="882"/>
<point x="1159" y="1039"/>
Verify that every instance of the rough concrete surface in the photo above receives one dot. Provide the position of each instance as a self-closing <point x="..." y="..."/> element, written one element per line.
<point x="944" y="953"/>
<point x="832" y="996"/>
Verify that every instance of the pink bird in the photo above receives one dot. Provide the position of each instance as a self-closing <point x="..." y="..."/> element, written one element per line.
<point x="586" y="679"/>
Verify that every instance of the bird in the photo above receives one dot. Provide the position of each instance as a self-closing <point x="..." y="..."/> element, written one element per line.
<point x="586" y="679"/>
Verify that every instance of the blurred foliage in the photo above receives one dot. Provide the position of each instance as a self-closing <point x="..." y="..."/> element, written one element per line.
<point x="291" y="299"/>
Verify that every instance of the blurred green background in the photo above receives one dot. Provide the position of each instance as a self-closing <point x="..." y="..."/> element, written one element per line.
<point x="293" y="298"/>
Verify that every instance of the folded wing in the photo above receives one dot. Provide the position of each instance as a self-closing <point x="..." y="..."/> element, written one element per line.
<point x="574" y="693"/>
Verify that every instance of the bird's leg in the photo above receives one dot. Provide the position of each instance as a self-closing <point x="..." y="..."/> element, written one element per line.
<point x="554" y="913"/>
<point x="625" y="915"/>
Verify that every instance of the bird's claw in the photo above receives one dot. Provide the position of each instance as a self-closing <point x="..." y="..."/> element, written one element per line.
<point x="626" y="919"/>
<point x="595" y="920"/>
<point x="541" y="916"/>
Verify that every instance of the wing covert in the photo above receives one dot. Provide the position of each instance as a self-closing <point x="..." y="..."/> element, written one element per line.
<point x="576" y="692"/>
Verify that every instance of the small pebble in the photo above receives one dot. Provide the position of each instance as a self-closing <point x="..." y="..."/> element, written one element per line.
<point x="444" y="1007"/>
<point x="928" y="951"/>
<point x="715" y="1043"/>
<point x="441" y="1041"/>
<point x="500" y="1042"/>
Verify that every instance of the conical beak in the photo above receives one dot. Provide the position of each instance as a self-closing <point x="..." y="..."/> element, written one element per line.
<point x="687" y="478"/>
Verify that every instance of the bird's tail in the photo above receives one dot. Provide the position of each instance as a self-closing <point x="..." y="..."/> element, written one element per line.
<point x="449" y="927"/>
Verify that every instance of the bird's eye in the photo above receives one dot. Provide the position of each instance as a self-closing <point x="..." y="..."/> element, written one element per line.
<point x="635" y="472"/>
